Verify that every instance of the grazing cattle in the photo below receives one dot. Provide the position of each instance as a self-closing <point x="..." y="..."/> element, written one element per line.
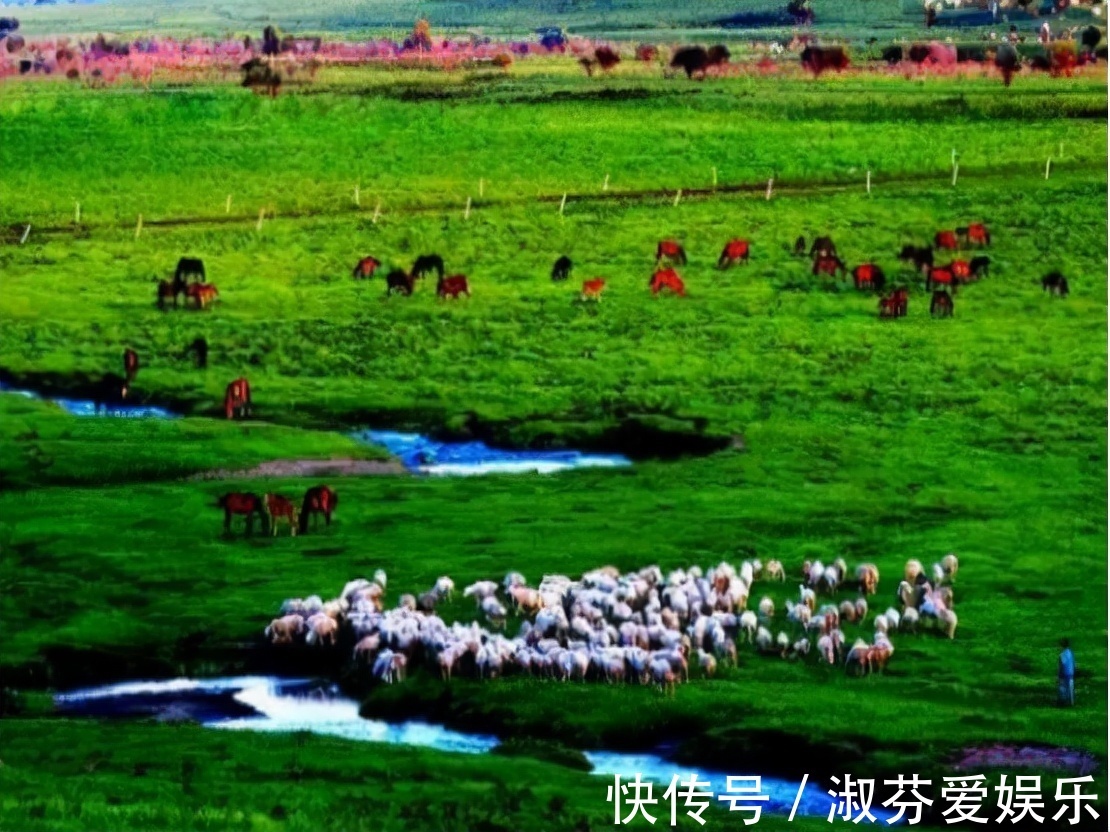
<point x="946" y="239"/>
<point x="829" y="265"/>
<point x="869" y="276"/>
<point x="671" y="250"/>
<point x="202" y="294"/>
<point x="199" y="348"/>
<point x="800" y="246"/>
<point x="604" y="56"/>
<point x="696" y="60"/>
<point x="961" y="270"/>
<point x="237" y="399"/>
<point x="922" y="258"/>
<point x="1007" y="61"/>
<point x="452" y="286"/>
<point x="735" y="251"/>
<point x="169" y="290"/>
<point x="1055" y="283"/>
<point x="592" y="289"/>
<point x="110" y="392"/>
<point x="366" y="267"/>
<point x="280" y="508"/>
<point x="130" y="364"/>
<point x="247" y="505"/>
<point x="892" y="54"/>
<point x="190" y="268"/>
<point x="980" y="266"/>
<point x="817" y="59"/>
<point x="976" y="234"/>
<point x="667" y="279"/>
<point x="940" y="277"/>
<point x="822" y="247"/>
<point x="426" y="263"/>
<point x="941" y="305"/>
<point x="561" y="269"/>
<point x="398" y="281"/>
<point x="318" y="500"/>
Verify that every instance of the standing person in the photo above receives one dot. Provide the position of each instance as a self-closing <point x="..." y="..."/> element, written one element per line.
<point x="1065" y="675"/>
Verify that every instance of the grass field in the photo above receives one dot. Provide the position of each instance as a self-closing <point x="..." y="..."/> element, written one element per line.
<point x="872" y="440"/>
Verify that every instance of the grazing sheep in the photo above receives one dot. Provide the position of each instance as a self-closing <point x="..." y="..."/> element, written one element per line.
<point x="445" y="587"/>
<point x="774" y="571"/>
<point x="858" y="658"/>
<point x="848" y="611"/>
<point x="829" y="580"/>
<point x="879" y="654"/>
<point x="907" y="595"/>
<point x="893" y="617"/>
<point x="283" y="630"/>
<point x="841" y="567"/>
<point x="800" y="647"/>
<point x="763" y="639"/>
<point x="782" y="641"/>
<point x="514" y="579"/>
<point x="809" y="597"/>
<point x="480" y="591"/>
<point x="861" y="609"/>
<point x="367" y="647"/>
<point x="321" y="630"/>
<point x="913" y="569"/>
<point x="379" y="577"/>
<point x="951" y="565"/>
<point x="427" y="601"/>
<point x="826" y="648"/>
<point x="948" y="618"/>
<point x="748" y="625"/>
<point x="526" y="600"/>
<point x="407" y="602"/>
<point x="494" y="611"/>
<point x="708" y="663"/>
<point x="938" y="574"/>
<point x="867" y="574"/>
<point x="766" y="607"/>
<point x="909" y="620"/>
<point x="882" y="624"/>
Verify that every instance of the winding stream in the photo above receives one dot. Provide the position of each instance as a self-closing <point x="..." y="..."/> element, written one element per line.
<point x="264" y="703"/>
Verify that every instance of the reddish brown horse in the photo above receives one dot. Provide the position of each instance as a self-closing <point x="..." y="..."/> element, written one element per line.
<point x="130" y="364"/>
<point x="829" y="265"/>
<point x="976" y="234"/>
<point x="318" y="500"/>
<point x="667" y="279"/>
<point x="202" y="294"/>
<point x="946" y="239"/>
<point x="280" y="508"/>
<point x="671" y="250"/>
<point x="940" y="277"/>
<point x="452" y="287"/>
<point x="735" y="251"/>
<point x="894" y="305"/>
<point x="961" y="270"/>
<point x="592" y="289"/>
<point x="366" y="267"/>
<point x="941" y="305"/>
<point x="869" y="276"/>
<point x="237" y="399"/>
<point x="247" y="505"/>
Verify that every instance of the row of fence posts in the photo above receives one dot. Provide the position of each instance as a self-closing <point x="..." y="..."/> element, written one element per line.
<point x="562" y="202"/>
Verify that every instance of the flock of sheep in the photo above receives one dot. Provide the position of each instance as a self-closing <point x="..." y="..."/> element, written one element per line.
<point x="643" y="626"/>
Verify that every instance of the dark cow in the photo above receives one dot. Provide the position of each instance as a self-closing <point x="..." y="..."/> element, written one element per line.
<point x="735" y="251"/>
<point x="561" y="269"/>
<point x="941" y="305"/>
<point x="822" y="247"/>
<point x="237" y="399"/>
<point x="671" y="250"/>
<point x="452" y="287"/>
<point x="604" y="57"/>
<point x="919" y="53"/>
<point x="199" y="348"/>
<point x="365" y="268"/>
<point x="1055" y="284"/>
<point x="667" y="279"/>
<point x="869" y="276"/>
<point x="398" y="281"/>
<point x="247" y="505"/>
<point x="1007" y="61"/>
<point x="946" y="239"/>
<point x="130" y="364"/>
<point x="980" y="266"/>
<point x="697" y="60"/>
<point x="318" y="500"/>
<point x="922" y="258"/>
<point x="110" y="392"/>
<point x="893" y="55"/>
<point x="818" y="59"/>
<point x="271" y="45"/>
<point x="425" y="264"/>
<point x="830" y="265"/>
<point x="190" y="268"/>
<point x="259" y="76"/>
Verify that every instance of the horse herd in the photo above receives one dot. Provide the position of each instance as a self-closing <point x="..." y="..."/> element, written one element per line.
<point x="270" y="509"/>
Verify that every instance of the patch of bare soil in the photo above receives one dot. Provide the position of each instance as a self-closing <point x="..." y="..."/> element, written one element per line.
<point x="310" y="468"/>
<point x="1027" y="756"/>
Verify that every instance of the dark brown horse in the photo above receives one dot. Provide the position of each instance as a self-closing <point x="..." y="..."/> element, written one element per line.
<point x="452" y="287"/>
<point x="130" y="364"/>
<point x="247" y="505"/>
<point x="366" y="267"/>
<point x="398" y="281"/>
<point x="280" y="508"/>
<point x="941" y="305"/>
<point x="169" y="290"/>
<point x="318" y="500"/>
<point x="427" y="263"/>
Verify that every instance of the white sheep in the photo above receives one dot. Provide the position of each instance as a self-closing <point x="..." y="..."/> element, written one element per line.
<point x="763" y="639"/>
<point x="774" y="571"/>
<point x="748" y="625"/>
<point x="861" y="609"/>
<point x="767" y="607"/>
<point x="893" y="617"/>
<point x="913" y="569"/>
<point x="951" y="565"/>
<point x="480" y="591"/>
<point x="882" y="624"/>
<point x="379" y="578"/>
<point x="445" y="587"/>
<point x="708" y="663"/>
<point x="948" y="618"/>
<point x="909" y="620"/>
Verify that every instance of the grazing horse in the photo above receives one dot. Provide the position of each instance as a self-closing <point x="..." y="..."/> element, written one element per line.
<point x="922" y="258"/>
<point x="365" y="267"/>
<point x="426" y="263"/>
<point x="111" y="390"/>
<point x="671" y="250"/>
<point x="237" y="399"/>
<point x="819" y="59"/>
<point x="246" y="504"/>
<point x="130" y="364"/>
<point x="189" y="267"/>
<point x="735" y="251"/>
<point x="452" y="286"/>
<point x="398" y="281"/>
<point x="200" y="349"/>
<point x="822" y="247"/>
<point x="592" y="289"/>
<point x="318" y="500"/>
<point x="202" y="294"/>
<point x="169" y="290"/>
<point x="961" y="270"/>
<point x="980" y="266"/>
<point x="976" y="234"/>
<point x="941" y="305"/>
<point x="869" y="276"/>
<point x="800" y="246"/>
<point x="894" y="305"/>
<point x="667" y="279"/>
<point x="829" y="265"/>
<point x="561" y="269"/>
<point x="280" y="508"/>
<point x="1055" y="283"/>
<point x="940" y="277"/>
<point x="946" y="239"/>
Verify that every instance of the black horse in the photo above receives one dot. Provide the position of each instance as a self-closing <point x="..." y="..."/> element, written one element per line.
<point x="561" y="269"/>
<point x="398" y="281"/>
<point x="189" y="267"/>
<point x="922" y="258"/>
<point x="941" y="305"/>
<point x="980" y="266"/>
<point x="822" y="247"/>
<point x="425" y="264"/>
<point x="199" y="348"/>
<point x="1055" y="284"/>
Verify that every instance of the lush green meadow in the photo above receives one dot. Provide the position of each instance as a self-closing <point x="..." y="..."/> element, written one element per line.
<point x="872" y="440"/>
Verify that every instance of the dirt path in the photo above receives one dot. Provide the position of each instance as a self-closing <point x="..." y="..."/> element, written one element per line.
<point x="310" y="468"/>
<point x="1027" y="756"/>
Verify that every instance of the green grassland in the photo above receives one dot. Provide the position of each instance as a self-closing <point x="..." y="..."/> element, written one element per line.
<point x="872" y="440"/>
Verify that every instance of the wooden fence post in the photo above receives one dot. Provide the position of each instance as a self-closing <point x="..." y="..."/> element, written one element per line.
<point x="1047" y="167"/>
<point x="563" y="204"/>
<point x="139" y="227"/>
<point x="377" y="212"/>
<point x="481" y="188"/>
<point x="869" y="183"/>
<point x="227" y="207"/>
<point x="677" y="197"/>
<point x="76" y="213"/>
<point x="955" y="173"/>
<point x="605" y="184"/>
<point x="770" y="186"/>
<point x="261" y="213"/>
<point x="466" y="213"/>
<point x="358" y="202"/>
<point x="26" y="234"/>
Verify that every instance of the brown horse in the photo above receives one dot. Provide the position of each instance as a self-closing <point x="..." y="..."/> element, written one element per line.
<point x="735" y="251"/>
<point x="671" y="250"/>
<point x="941" y="305"/>
<point x="280" y="508"/>
<point x="830" y="265"/>
<point x="452" y="287"/>
<point x="247" y="505"/>
<point x="318" y="500"/>
<point x="667" y="279"/>
<point x="592" y="289"/>
<point x="202" y="294"/>
<point x="366" y="267"/>
<point x="869" y="276"/>
<point x="237" y="399"/>
<point x="130" y="364"/>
